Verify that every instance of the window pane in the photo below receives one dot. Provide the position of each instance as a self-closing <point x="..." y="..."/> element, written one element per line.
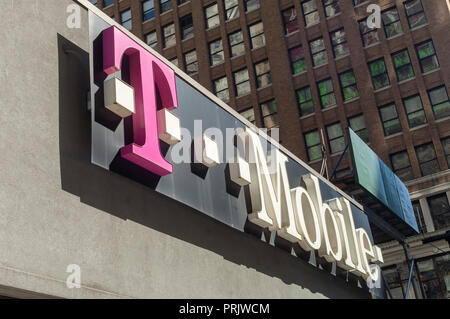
<point x="413" y="104"/>
<point x="249" y="115"/>
<point x="290" y="20"/>
<point x="305" y="101"/>
<point x="440" y="102"/>
<point x="251" y="5"/>
<point x="440" y="211"/>
<point x="402" y="166"/>
<point x="317" y="45"/>
<point x="426" y="155"/>
<point x="313" y="145"/>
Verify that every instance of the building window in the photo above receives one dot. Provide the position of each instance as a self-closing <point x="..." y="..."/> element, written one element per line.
<point x="439" y="102"/>
<point x="389" y="117"/>
<point x="180" y="2"/>
<point x="419" y="216"/>
<point x="221" y="89"/>
<point x="339" y="43"/>
<point x="262" y="70"/>
<point x="326" y="92"/>
<point x="249" y="115"/>
<point x="313" y="145"/>
<point x="297" y="58"/>
<point x="251" y="5"/>
<point x="290" y="20"/>
<point x="187" y="27"/>
<point x="310" y="13"/>
<point x="237" y="46"/>
<point x="446" y="146"/>
<point x="231" y="9"/>
<point x="415" y="13"/>
<point x="241" y="82"/>
<point x="336" y="139"/>
<point x="152" y="40"/>
<point x="358" y="125"/>
<point x="440" y="210"/>
<point x="216" y="54"/>
<point x="305" y="101"/>
<point x="257" y="37"/>
<point x="427" y="56"/>
<point x="148" y="10"/>
<point x="107" y="3"/>
<point x="348" y="85"/>
<point x="125" y="19"/>
<point x="391" y="21"/>
<point x="165" y="5"/>
<point x="190" y="62"/>
<point x="318" y="52"/>
<point x="414" y="111"/>
<point x="174" y="61"/>
<point x="169" y="38"/>
<point x="380" y="77"/>
<point x="369" y="36"/>
<point x="402" y="166"/>
<point x="402" y="65"/>
<point x="212" y="16"/>
<point x="331" y="7"/>
<point x="428" y="162"/>
<point x="269" y="113"/>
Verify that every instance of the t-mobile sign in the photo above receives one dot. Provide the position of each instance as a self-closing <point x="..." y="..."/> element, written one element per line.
<point x="152" y="123"/>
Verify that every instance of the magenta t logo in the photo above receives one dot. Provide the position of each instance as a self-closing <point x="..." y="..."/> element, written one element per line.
<point x="147" y="74"/>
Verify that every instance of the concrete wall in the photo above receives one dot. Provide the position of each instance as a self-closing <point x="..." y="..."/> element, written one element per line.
<point x="56" y="208"/>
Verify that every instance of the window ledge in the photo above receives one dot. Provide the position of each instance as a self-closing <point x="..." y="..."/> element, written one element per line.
<point x="301" y="73"/>
<point x="188" y="38"/>
<point x="361" y="4"/>
<point x="419" y="27"/>
<point x="352" y="100"/>
<point x="315" y="161"/>
<point x="372" y="45"/>
<point x="289" y="34"/>
<point x="342" y="57"/>
<point x="336" y="154"/>
<point x="163" y="13"/>
<point x="393" y="135"/>
<point x="237" y="56"/>
<point x="330" y="108"/>
<point x="419" y="127"/>
<point x="429" y="72"/>
<point x="226" y="21"/>
<point x="311" y="25"/>
<point x="319" y="66"/>
<point x="383" y="89"/>
<point x="254" y="49"/>
<point x="217" y="64"/>
<point x="212" y="28"/>
<point x="264" y="87"/>
<point x="395" y="36"/>
<point x="304" y="117"/>
<point x="146" y="21"/>
<point x="243" y="95"/>
<point x="407" y="80"/>
<point x="442" y="119"/>
<point x="336" y="15"/>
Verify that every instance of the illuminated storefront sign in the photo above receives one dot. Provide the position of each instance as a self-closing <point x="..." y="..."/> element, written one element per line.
<point x="148" y="105"/>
